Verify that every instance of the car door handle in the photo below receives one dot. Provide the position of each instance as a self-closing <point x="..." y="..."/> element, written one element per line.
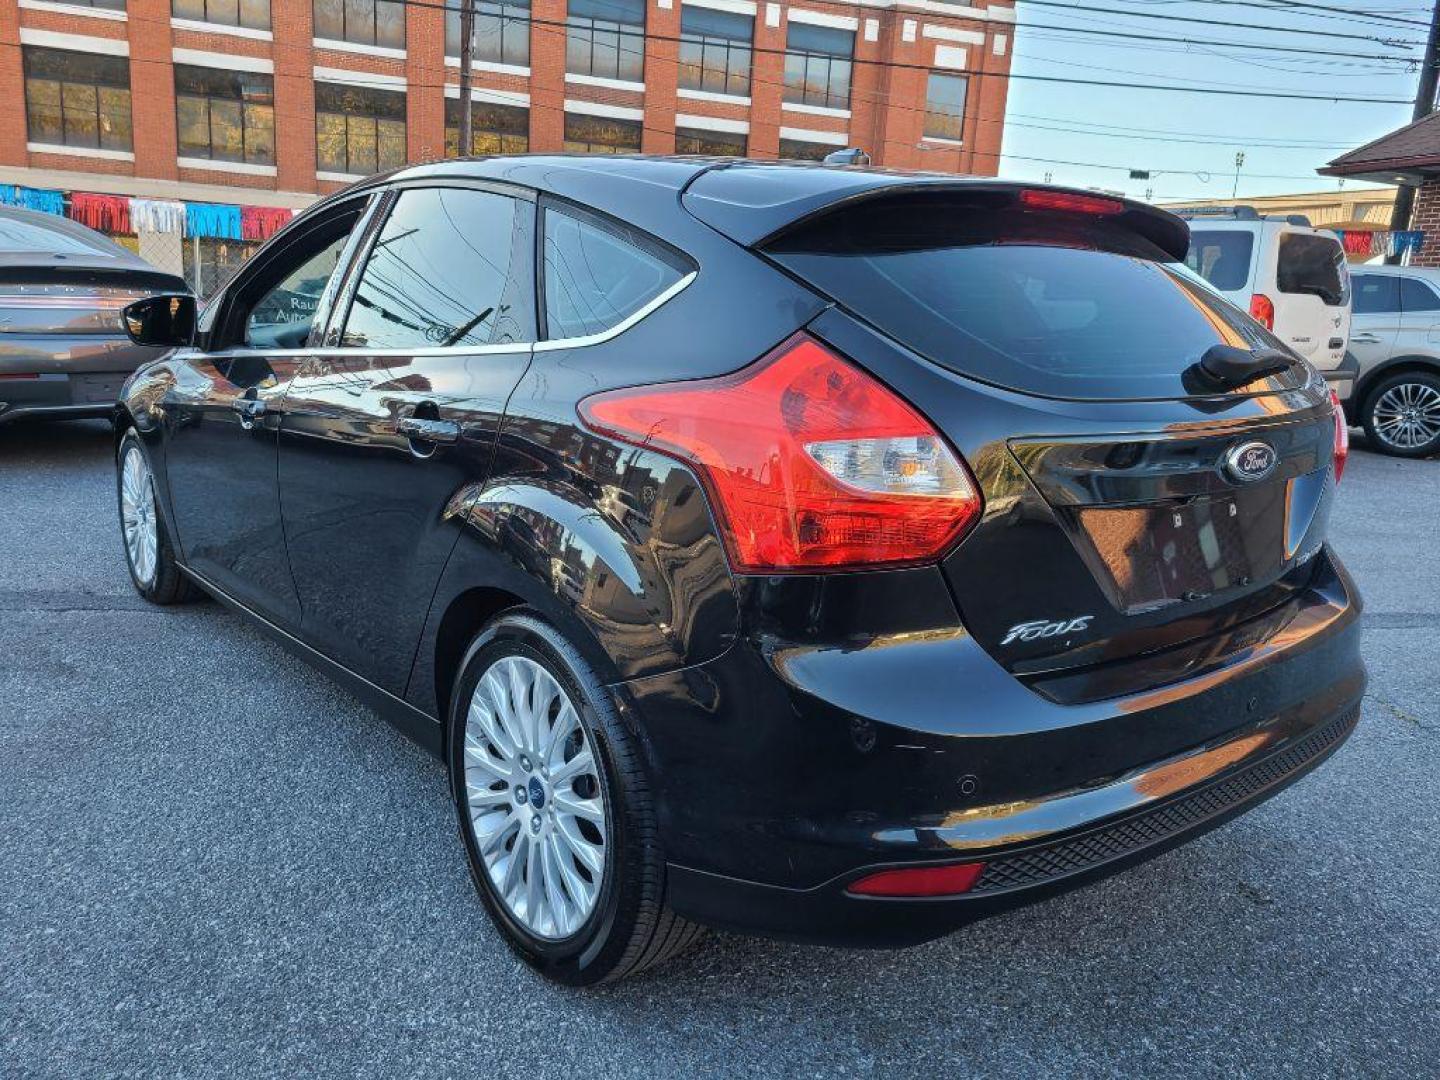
<point x="249" y="410"/>
<point x="1364" y="339"/>
<point x="430" y="431"/>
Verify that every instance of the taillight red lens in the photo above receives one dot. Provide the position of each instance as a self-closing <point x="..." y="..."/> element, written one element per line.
<point x="1262" y="310"/>
<point x="920" y="881"/>
<point x="1342" y="436"/>
<point x="811" y="464"/>
<point x="1040" y="199"/>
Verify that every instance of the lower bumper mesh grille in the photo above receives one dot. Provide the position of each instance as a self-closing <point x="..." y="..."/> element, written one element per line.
<point x="1153" y="826"/>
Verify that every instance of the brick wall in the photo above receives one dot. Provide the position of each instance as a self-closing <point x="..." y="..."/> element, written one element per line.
<point x="895" y="51"/>
<point x="1426" y="218"/>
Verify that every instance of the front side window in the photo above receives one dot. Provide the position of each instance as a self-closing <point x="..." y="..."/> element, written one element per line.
<point x="494" y="129"/>
<point x="945" y="106"/>
<point x="715" y="51"/>
<point x="709" y="143"/>
<point x="606" y="39"/>
<point x="362" y="22"/>
<point x="225" y="115"/>
<point x="1313" y="265"/>
<point x="501" y="34"/>
<point x="358" y="130"/>
<point x="598" y="275"/>
<point x="281" y="318"/>
<point x="1221" y="257"/>
<point x="817" y="66"/>
<point x="1417" y="296"/>
<point x="444" y="271"/>
<point x="251" y="14"/>
<point x="77" y="99"/>
<point x="1376" y="294"/>
<point x="799" y="150"/>
<point x="601" y="135"/>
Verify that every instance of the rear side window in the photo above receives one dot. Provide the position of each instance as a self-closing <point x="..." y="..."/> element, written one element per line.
<point x="597" y="275"/>
<point x="1071" y="321"/>
<point x="446" y="270"/>
<point x="1376" y="295"/>
<point x="1417" y="296"/>
<point x="1314" y="265"/>
<point x="1221" y="257"/>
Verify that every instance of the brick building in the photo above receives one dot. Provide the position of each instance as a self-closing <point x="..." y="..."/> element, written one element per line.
<point x="270" y="102"/>
<point x="1410" y="157"/>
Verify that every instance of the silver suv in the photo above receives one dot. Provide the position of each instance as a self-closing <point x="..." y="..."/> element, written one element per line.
<point x="1395" y="350"/>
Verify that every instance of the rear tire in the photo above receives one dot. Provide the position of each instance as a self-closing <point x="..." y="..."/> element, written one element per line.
<point x="603" y="873"/>
<point x="1402" y="414"/>
<point x="149" y="552"/>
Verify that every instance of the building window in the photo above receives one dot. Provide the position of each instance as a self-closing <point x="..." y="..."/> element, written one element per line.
<point x="799" y="150"/>
<point x="945" y="106"/>
<point x="496" y="129"/>
<point x="358" y="130"/>
<point x="225" y="115"/>
<point x="715" y="50"/>
<point x="252" y="14"/>
<point x="501" y="34"/>
<point x="362" y="22"/>
<point x="601" y="135"/>
<point x="709" y="143"/>
<point x="77" y="99"/>
<point x="606" y="39"/>
<point x="817" y="66"/>
<point x="106" y="5"/>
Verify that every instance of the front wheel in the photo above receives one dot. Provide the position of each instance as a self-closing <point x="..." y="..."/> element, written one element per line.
<point x="555" y="811"/>
<point x="149" y="553"/>
<point x="1402" y="414"/>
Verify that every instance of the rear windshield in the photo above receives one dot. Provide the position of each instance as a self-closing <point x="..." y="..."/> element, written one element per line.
<point x="1221" y="257"/>
<point x="1060" y="321"/>
<point x="1313" y="265"/>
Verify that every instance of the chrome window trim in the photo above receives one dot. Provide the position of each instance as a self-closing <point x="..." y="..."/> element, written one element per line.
<point x="624" y="324"/>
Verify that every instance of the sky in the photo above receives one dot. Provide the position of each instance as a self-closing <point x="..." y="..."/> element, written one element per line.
<point x="1189" y="140"/>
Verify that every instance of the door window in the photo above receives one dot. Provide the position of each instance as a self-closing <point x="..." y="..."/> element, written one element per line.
<point x="449" y="268"/>
<point x="283" y="316"/>
<point x="597" y="276"/>
<point x="1417" y="296"/>
<point x="1376" y="294"/>
<point x="1313" y="265"/>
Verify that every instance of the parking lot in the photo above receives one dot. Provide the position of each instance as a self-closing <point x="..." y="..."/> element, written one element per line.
<point x="258" y="876"/>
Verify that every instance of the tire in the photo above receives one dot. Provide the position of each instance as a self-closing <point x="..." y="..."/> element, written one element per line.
<point x="153" y="569"/>
<point x="1386" y="405"/>
<point x="625" y="928"/>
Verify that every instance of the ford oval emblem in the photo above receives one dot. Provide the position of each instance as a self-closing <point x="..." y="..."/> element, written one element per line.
<point x="1251" y="461"/>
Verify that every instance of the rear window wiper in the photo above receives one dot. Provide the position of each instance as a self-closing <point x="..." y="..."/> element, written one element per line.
<point x="1226" y="367"/>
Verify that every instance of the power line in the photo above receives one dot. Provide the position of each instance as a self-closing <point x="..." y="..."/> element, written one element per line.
<point x="1262" y="27"/>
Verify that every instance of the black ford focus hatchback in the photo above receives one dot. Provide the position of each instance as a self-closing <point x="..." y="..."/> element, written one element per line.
<point x="837" y="554"/>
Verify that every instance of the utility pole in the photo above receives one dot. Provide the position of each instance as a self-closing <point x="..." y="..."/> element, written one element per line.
<point x="1424" y="106"/>
<point x="467" y="56"/>
<point x="1240" y="160"/>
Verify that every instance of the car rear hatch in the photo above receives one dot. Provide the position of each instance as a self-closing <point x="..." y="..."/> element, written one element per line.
<point x="1136" y="506"/>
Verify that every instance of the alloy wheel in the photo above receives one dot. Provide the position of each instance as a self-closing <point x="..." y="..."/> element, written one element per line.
<point x="535" y="797"/>
<point x="137" y="515"/>
<point x="1407" y="416"/>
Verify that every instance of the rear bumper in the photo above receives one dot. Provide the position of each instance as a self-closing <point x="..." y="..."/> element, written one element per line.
<point x="781" y="782"/>
<point x="1342" y="379"/>
<point x="54" y="396"/>
<point x="1014" y="875"/>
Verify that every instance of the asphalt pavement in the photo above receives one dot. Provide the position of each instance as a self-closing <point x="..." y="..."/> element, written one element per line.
<point x="214" y="862"/>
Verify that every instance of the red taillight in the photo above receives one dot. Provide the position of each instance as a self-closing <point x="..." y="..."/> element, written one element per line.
<point x="1342" y="436"/>
<point x="811" y="464"/>
<point x="1262" y="310"/>
<point x="920" y="881"/>
<point x="1040" y="199"/>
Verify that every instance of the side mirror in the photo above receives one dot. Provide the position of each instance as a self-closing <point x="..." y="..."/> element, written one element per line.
<point x="166" y="321"/>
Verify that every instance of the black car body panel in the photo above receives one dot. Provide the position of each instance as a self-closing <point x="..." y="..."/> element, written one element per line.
<point x="64" y="353"/>
<point x="800" y="729"/>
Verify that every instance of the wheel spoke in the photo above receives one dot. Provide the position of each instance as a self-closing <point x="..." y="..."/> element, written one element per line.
<point x="586" y="853"/>
<point x="567" y="802"/>
<point x="580" y="765"/>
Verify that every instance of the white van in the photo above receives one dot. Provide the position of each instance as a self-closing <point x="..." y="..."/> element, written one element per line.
<point x="1288" y="275"/>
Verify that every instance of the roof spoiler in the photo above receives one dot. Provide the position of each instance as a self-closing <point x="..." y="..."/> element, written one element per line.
<point x="754" y="205"/>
